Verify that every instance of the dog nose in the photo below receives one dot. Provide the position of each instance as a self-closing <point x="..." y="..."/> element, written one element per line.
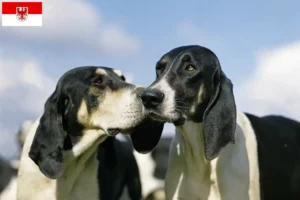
<point x="152" y="98"/>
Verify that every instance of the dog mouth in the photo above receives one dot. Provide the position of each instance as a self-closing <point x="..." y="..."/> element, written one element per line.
<point x="127" y="129"/>
<point x="176" y="118"/>
<point x="113" y="131"/>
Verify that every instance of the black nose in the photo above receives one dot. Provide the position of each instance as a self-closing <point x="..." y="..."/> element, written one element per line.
<point x="152" y="98"/>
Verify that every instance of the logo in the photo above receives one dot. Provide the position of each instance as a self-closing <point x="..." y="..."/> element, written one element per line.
<point x="22" y="13"/>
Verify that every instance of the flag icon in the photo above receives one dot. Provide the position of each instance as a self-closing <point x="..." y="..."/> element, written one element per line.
<point x="22" y="14"/>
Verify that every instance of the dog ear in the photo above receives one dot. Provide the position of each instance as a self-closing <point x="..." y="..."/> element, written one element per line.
<point x="219" y="120"/>
<point x="146" y="136"/>
<point x="47" y="147"/>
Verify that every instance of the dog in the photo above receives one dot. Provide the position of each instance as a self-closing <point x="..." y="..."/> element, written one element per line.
<point x="120" y="171"/>
<point x="9" y="169"/>
<point x="159" y="164"/>
<point x="153" y="167"/>
<point x="89" y="104"/>
<point x="8" y="183"/>
<point x="119" y="177"/>
<point x="22" y="133"/>
<point x="160" y="156"/>
<point x="157" y="194"/>
<point x="219" y="153"/>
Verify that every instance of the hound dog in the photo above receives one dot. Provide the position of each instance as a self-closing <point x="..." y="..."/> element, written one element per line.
<point x="219" y="153"/>
<point x="117" y="172"/>
<point x="89" y="104"/>
<point x="8" y="183"/>
<point x="119" y="177"/>
<point x="8" y="170"/>
<point x="152" y="168"/>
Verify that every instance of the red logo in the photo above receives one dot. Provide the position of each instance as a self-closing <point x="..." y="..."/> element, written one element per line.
<point x="22" y="13"/>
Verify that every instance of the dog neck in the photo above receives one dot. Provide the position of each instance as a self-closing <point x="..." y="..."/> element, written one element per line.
<point x="86" y="146"/>
<point x="191" y="145"/>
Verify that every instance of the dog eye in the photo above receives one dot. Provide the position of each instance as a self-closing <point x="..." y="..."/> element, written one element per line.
<point x="123" y="78"/>
<point x="160" y="66"/>
<point x="98" y="80"/>
<point x="66" y="102"/>
<point x="190" y="68"/>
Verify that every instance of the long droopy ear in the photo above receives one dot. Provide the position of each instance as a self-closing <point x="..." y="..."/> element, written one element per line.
<point x="219" y="120"/>
<point x="47" y="146"/>
<point x="146" y="136"/>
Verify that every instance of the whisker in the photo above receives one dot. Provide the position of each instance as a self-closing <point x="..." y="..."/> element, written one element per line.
<point x="181" y="107"/>
<point x="177" y="106"/>
<point x="180" y="102"/>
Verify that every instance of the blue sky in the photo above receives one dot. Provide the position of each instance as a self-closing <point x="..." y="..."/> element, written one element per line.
<point x="257" y="43"/>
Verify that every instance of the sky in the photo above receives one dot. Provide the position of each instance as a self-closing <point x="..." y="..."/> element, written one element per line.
<point x="257" y="43"/>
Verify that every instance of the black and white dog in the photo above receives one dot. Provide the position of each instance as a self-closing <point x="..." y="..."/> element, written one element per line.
<point x="153" y="168"/>
<point x="89" y="104"/>
<point x="219" y="153"/>
<point x="8" y="169"/>
<point x="118" y="173"/>
<point x="8" y="183"/>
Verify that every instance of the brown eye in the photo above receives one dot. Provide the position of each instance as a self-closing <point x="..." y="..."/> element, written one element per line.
<point x="98" y="80"/>
<point x="190" y="68"/>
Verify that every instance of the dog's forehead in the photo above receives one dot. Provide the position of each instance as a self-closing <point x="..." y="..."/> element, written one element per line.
<point x="118" y="72"/>
<point x="198" y="52"/>
<point x="101" y="71"/>
<point x="89" y="72"/>
<point x="79" y="73"/>
<point x="110" y="72"/>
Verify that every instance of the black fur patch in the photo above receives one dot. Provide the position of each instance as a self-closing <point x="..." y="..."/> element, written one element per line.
<point x="278" y="143"/>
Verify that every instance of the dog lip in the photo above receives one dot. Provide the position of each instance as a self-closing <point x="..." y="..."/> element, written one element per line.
<point x="179" y="122"/>
<point x="113" y="131"/>
<point x="157" y="116"/>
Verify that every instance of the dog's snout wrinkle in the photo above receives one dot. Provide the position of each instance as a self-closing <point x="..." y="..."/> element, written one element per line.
<point x="152" y="98"/>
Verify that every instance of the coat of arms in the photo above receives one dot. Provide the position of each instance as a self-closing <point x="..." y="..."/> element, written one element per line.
<point x="22" y="13"/>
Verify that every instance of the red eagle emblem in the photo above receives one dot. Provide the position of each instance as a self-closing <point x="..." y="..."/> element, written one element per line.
<point x="22" y="13"/>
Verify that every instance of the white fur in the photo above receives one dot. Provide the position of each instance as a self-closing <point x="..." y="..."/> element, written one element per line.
<point x="233" y="175"/>
<point x="25" y="126"/>
<point x="101" y="71"/>
<point x="168" y="106"/>
<point x="146" y="168"/>
<point x="79" y="180"/>
<point x="122" y="109"/>
<point x="118" y="72"/>
<point x="9" y="193"/>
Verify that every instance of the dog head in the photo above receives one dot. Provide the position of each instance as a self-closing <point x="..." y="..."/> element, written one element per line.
<point x="89" y="98"/>
<point x="22" y="133"/>
<point x="190" y="85"/>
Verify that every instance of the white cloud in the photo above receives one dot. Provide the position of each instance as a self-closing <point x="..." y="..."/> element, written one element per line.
<point x="75" y="23"/>
<point x="273" y="87"/>
<point x="24" y="89"/>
